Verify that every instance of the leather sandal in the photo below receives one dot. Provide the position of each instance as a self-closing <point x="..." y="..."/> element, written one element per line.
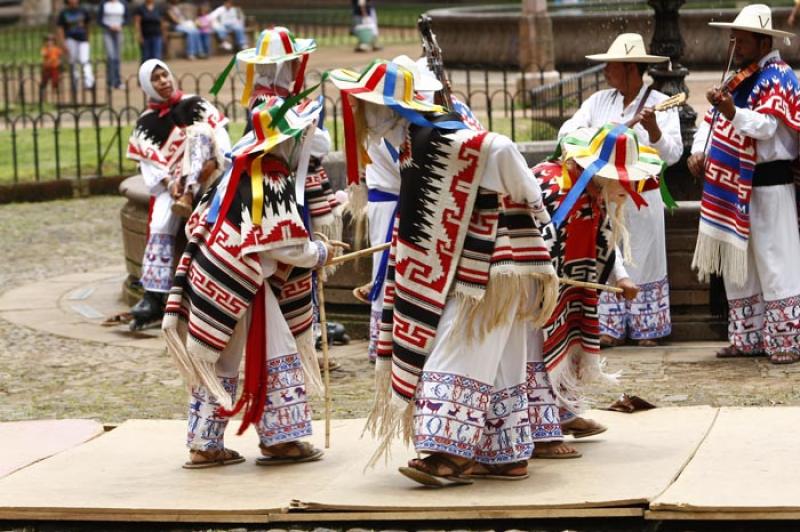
<point x="361" y="293"/>
<point x="548" y="453"/>
<point x="425" y="471"/>
<point x="305" y="452"/>
<point x="732" y="351"/>
<point x="499" y="471"/>
<point x="593" y="429"/>
<point x="784" y="358"/>
<point x="213" y="458"/>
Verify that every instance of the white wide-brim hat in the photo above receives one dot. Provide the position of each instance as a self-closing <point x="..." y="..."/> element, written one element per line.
<point x="755" y="18"/>
<point x="424" y="80"/>
<point x="627" y="48"/>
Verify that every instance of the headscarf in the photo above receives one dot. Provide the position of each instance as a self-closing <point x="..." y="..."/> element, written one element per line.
<point x="146" y="72"/>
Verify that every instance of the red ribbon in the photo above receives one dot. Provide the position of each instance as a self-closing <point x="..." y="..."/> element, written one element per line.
<point x="254" y="393"/>
<point x="624" y="180"/>
<point x="164" y="107"/>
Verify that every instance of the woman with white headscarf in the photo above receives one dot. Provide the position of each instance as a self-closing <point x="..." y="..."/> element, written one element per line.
<point x="179" y="142"/>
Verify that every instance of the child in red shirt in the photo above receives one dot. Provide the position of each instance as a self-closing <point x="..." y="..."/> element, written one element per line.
<point x="51" y="64"/>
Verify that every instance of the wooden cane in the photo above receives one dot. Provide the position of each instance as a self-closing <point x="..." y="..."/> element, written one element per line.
<point x="323" y="321"/>
<point x="562" y="280"/>
<point x="584" y="284"/>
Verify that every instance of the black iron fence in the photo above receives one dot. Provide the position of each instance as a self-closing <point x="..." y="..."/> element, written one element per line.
<point x="49" y="142"/>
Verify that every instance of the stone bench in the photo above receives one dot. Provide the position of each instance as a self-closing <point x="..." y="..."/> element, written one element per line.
<point x="175" y="41"/>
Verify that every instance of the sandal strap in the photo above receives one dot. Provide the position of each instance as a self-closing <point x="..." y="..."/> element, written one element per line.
<point x="306" y="449"/>
<point x="439" y="459"/>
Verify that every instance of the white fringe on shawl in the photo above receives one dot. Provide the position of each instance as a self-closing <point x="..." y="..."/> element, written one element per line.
<point x="392" y="417"/>
<point x="713" y="255"/>
<point x="308" y="359"/>
<point x="196" y="363"/>
<point x="357" y="209"/>
<point x="538" y="292"/>
<point x="576" y="370"/>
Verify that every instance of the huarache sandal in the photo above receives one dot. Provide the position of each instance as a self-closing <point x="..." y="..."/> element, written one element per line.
<point x="556" y="450"/>
<point x="732" y="351"/>
<point x="429" y="471"/>
<point x="361" y="293"/>
<point x="213" y="458"/>
<point x="784" y="358"/>
<point x="499" y="471"/>
<point x="592" y="428"/>
<point x="647" y="343"/>
<point x="294" y="452"/>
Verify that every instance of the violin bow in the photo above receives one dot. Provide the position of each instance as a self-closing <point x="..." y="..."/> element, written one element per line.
<point x="731" y="49"/>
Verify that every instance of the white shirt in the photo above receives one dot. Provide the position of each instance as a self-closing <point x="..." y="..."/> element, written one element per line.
<point x="113" y="14"/>
<point x="606" y="106"/>
<point x="775" y="140"/>
<point x="225" y="16"/>
<point x="383" y="173"/>
<point x="507" y="172"/>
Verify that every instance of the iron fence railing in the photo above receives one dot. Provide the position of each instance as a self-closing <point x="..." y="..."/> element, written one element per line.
<point x="48" y="142"/>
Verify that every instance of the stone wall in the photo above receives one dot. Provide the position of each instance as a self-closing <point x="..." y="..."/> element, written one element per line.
<point x="490" y="36"/>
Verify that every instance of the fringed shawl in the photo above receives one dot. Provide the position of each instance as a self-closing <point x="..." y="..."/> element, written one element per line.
<point x="161" y="139"/>
<point x="725" y="206"/>
<point x="583" y="250"/>
<point x="450" y="240"/>
<point x="220" y="272"/>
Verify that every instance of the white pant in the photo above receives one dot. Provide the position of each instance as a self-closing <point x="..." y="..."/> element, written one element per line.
<point x="472" y="398"/>
<point x="765" y="310"/>
<point x="79" y="55"/>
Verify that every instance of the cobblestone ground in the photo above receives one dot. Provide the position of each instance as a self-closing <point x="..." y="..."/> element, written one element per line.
<point x="45" y="376"/>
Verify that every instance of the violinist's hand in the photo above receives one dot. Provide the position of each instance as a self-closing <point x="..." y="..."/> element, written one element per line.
<point x="647" y="117"/>
<point x="722" y="100"/>
<point x="696" y="163"/>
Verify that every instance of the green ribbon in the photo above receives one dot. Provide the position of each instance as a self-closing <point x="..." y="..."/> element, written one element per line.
<point x="223" y="76"/>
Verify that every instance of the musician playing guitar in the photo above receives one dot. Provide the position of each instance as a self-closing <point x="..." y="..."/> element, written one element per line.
<point x="646" y="316"/>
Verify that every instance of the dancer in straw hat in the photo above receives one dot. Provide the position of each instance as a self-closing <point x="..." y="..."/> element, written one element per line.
<point x="646" y="317"/>
<point x="745" y="150"/>
<point x="450" y="374"/>
<point x="590" y="175"/>
<point x="382" y="184"/>
<point x="245" y="238"/>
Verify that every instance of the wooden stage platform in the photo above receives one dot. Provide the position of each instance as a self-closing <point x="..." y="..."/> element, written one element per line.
<point x="667" y="463"/>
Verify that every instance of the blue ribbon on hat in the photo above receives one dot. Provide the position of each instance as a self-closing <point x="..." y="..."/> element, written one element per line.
<point x="412" y="116"/>
<point x="580" y="185"/>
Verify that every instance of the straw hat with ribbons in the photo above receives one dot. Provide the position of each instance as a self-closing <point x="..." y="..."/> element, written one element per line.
<point x="755" y="18"/>
<point x="381" y="83"/>
<point x="612" y="152"/>
<point x="627" y="48"/>
<point x="274" y="122"/>
<point x="273" y="46"/>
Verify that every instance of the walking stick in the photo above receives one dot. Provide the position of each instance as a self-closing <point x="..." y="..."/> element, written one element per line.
<point x="561" y="280"/>
<point x="323" y="321"/>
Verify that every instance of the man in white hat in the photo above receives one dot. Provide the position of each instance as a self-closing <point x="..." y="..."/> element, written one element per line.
<point x="468" y="266"/>
<point x="748" y="232"/>
<point x="647" y="317"/>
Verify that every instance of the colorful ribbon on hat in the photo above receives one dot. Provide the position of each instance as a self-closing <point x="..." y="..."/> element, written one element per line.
<point x="604" y="139"/>
<point x="389" y="73"/>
